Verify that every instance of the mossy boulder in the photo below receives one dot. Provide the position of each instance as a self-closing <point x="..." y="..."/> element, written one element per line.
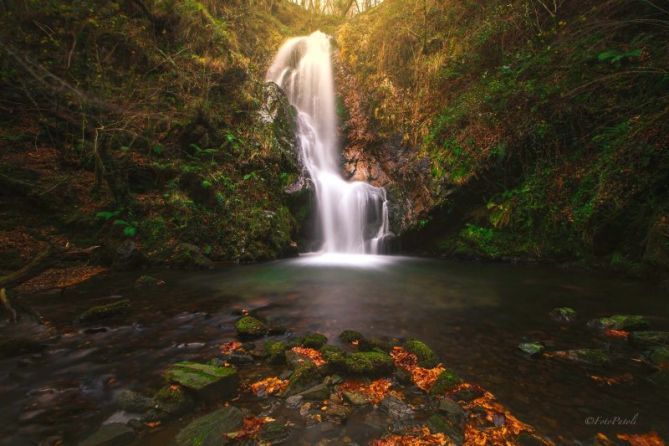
<point x="211" y="429"/>
<point x="563" y="314"/>
<point x="208" y="381"/>
<point x="112" y="434"/>
<point x="250" y="327"/>
<point x="275" y="351"/>
<point x="350" y="336"/>
<point x="368" y="363"/>
<point x="273" y="433"/>
<point x="531" y="348"/>
<point x="173" y="400"/>
<point x="620" y="322"/>
<point x="335" y="357"/>
<point x="426" y="357"/>
<point x="305" y="376"/>
<point x="146" y="281"/>
<point x="314" y="340"/>
<point x="445" y="381"/>
<point x="589" y="356"/>
<point x="649" y="338"/>
<point x="375" y="344"/>
<point x="107" y="311"/>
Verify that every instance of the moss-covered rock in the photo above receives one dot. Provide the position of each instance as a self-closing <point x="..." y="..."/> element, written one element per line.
<point x="208" y="381"/>
<point x="563" y="314"/>
<point x="368" y="363"/>
<point x="103" y="312"/>
<point x="590" y="356"/>
<point x="189" y="256"/>
<point x="426" y="357"/>
<point x="440" y="424"/>
<point x="211" y="429"/>
<point x="350" y="336"/>
<point x="620" y="322"/>
<point x="335" y="357"/>
<point x="132" y="401"/>
<point x="146" y="281"/>
<point x="445" y="381"/>
<point x="649" y="338"/>
<point x="531" y="348"/>
<point x="375" y="344"/>
<point x="305" y="376"/>
<point x="275" y="351"/>
<point x="314" y="340"/>
<point x="273" y="433"/>
<point x="250" y="327"/>
<point x="173" y="400"/>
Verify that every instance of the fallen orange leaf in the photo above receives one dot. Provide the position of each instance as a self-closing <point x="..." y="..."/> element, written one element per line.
<point x="612" y="380"/>
<point x="375" y="391"/>
<point x="422" y="377"/>
<point x="250" y="428"/>
<point x="616" y="333"/>
<point x="420" y="437"/>
<point x="311" y="354"/>
<point x="230" y="347"/>
<point x="269" y="386"/>
<point x="649" y="439"/>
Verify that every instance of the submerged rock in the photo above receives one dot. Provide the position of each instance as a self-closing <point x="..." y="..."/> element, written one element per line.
<point x="208" y="381"/>
<point x="211" y="429"/>
<point x="356" y="398"/>
<point x="531" y="348"/>
<point x="396" y="408"/>
<point x="426" y="357"/>
<point x="112" y="434"/>
<point x="620" y="322"/>
<point x="173" y="400"/>
<point x="148" y="282"/>
<point x="649" y="338"/>
<point x="319" y="392"/>
<point x="132" y="401"/>
<point x="250" y="327"/>
<point x="368" y="363"/>
<point x="445" y="381"/>
<point x="107" y="311"/>
<point x="590" y="356"/>
<point x="563" y="314"/>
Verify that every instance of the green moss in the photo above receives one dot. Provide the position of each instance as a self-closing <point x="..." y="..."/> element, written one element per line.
<point x="203" y="377"/>
<point x="314" y="340"/>
<point x="249" y="326"/>
<point x="649" y="338"/>
<point x="275" y="351"/>
<point x="368" y="363"/>
<point x="211" y="428"/>
<point x="335" y="357"/>
<point x="620" y="322"/>
<point x="305" y="375"/>
<point x="100" y="312"/>
<point x="426" y="357"/>
<point x="445" y="381"/>
<point x="349" y="336"/>
<point x="173" y="400"/>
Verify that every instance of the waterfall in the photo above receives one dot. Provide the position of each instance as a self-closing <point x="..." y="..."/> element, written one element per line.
<point x="353" y="215"/>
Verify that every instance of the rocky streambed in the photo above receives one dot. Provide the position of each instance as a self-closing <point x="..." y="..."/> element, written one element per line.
<point x="285" y="353"/>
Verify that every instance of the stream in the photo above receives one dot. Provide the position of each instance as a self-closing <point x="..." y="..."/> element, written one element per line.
<point x="473" y="315"/>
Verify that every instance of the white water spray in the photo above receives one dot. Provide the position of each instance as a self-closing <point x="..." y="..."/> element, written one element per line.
<point x="353" y="215"/>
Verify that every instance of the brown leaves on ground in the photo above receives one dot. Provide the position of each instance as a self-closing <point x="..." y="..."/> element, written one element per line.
<point x="230" y="347"/>
<point x="505" y="427"/>
<point x="422" y="377"/>
<point x="250" y="428"/>
<point x="56" y="278"/>
<point x="613" y="380"/>
<point x="375" y="391"/>
<point x="311" y="354"/>
<point x="269" y="386"/>
<point x="649" y="439"/>
<point x="620" y="334"/>
<point x="420" y="437"/>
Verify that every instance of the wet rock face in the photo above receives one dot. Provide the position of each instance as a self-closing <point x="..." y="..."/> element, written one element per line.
<point x="211" y="429"/>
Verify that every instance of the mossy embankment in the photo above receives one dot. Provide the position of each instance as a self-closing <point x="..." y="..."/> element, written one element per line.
<point x="516" y="129"/>
<point x="143" y="120"/>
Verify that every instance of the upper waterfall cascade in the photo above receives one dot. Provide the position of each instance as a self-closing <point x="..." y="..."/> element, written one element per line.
<point x="353" y="215"/>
